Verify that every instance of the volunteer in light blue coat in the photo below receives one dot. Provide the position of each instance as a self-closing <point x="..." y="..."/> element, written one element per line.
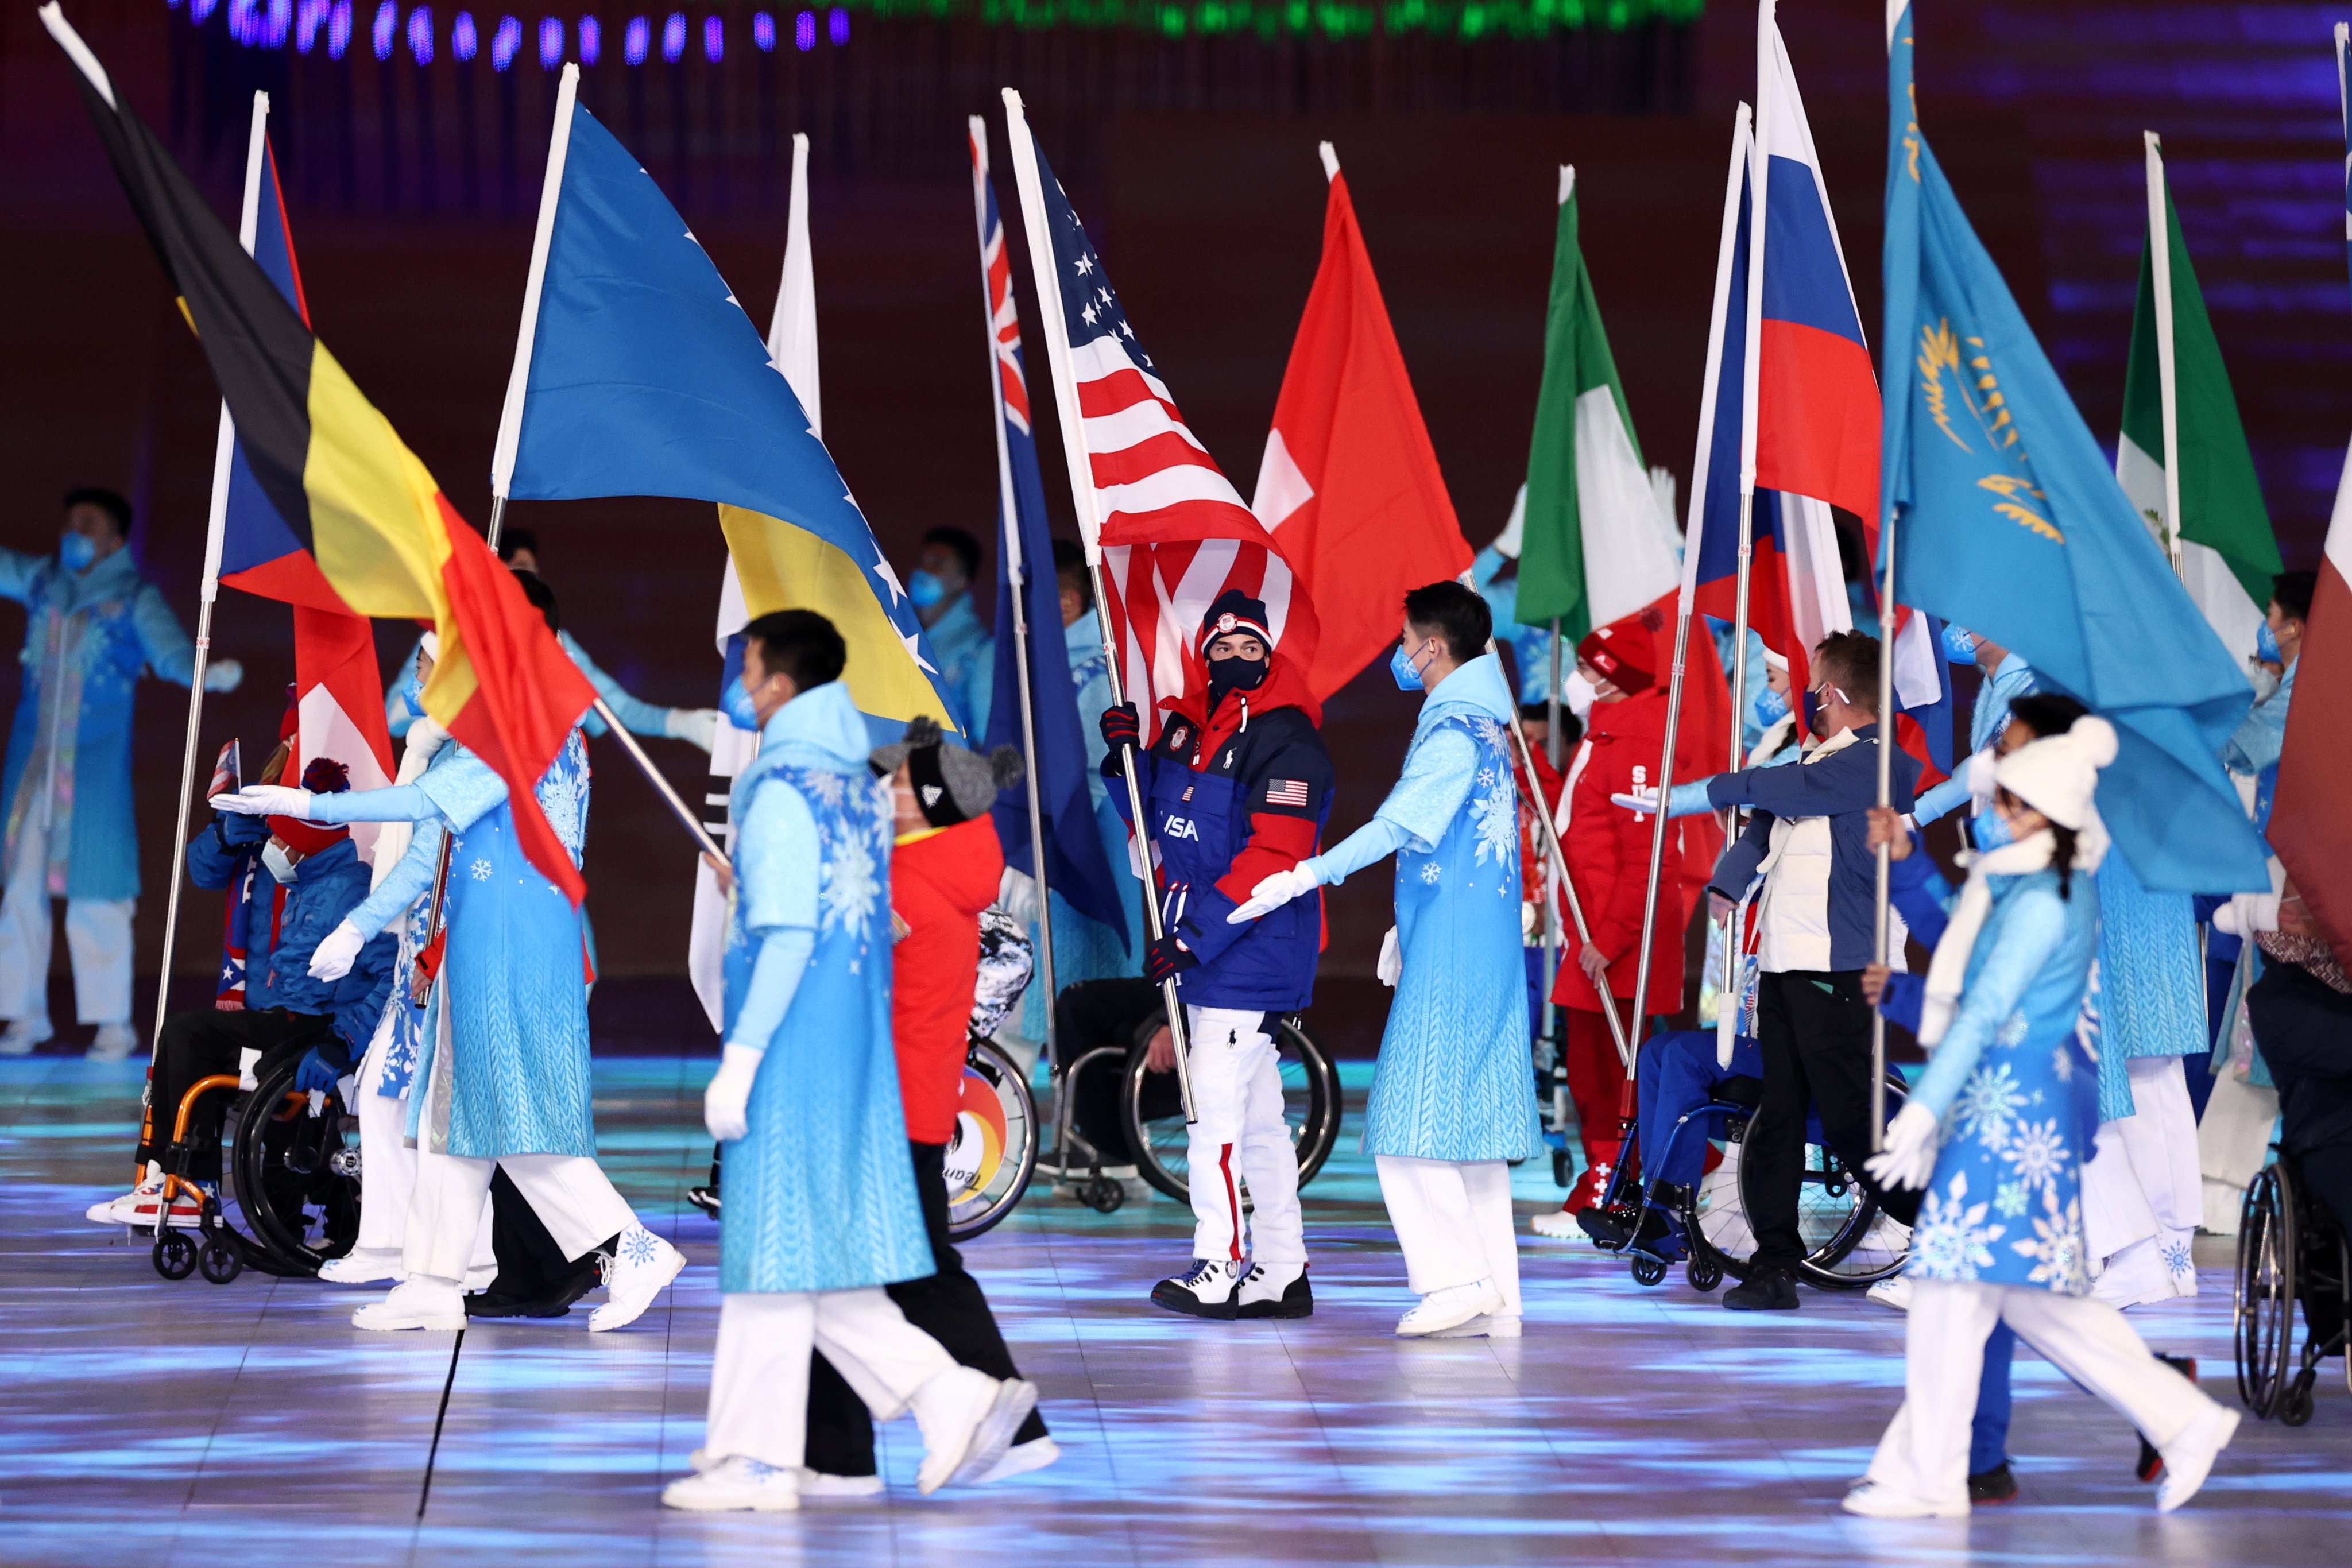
<point x="941" y="586"/>
<point x="821" y="1210"/>
<point x="91" y="626"/>
<point x="1453" y="1095"/>
<point x="1992" y="1135"/>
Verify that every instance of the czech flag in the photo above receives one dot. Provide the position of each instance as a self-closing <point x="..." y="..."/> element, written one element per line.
<point x="365" y="514"/>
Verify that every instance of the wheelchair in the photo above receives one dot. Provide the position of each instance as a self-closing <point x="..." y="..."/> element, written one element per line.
<point x="2290" y="1250"/>
<point x="1847" y="1248"/>
<point x="289" y="1196"/>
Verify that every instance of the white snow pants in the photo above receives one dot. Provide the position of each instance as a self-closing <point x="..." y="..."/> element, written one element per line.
<point x="569" y="1193"/>
<point x="1240" y="1140"/>
<point x="760" y="1370"/>
<point x="1452" y="1221"/>
<point x="1925" y="1452"/>
<point x="97" y="938"/>
<point x="2142" y="1194"/>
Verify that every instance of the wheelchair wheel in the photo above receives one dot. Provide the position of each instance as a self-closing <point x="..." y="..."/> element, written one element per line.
<point x="2296" y="1405"/>
<point x="1649" y="1271"/>
<point x="1850" y="1245"/>
<point x="1103" y="1194"/>
<point x="1703" y="1275"/>
<point x="174" y="1255"/>
<point x="1310" y="1102"/>
<point x="219" y="1259"/>
<point x="2263" y="1300"/>
<point x="994" y="1150"/>
<point x="294" y="1178"/>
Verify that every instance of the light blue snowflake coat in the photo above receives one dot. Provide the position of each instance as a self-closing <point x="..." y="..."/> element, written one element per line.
<point x="2010" y="1080"/>
<point x="1454" y="1080"/>
<point x="821" y="1194"/>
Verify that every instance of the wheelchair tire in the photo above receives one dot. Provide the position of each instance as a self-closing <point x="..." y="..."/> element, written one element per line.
<point x="1702" y="1274"/>
<point x="1104" y="1195"/>
<point x="1649" y="1271"/>
<point x="299" y="1201"/>
<point x="1311" y="1104"/>
<point x="2296" y="1405"/>
<point x="174" y="1255"/>
<point x="219" y="1261"/>
<point x="994" y="1150"/>
<point x="2264" y="1296"/>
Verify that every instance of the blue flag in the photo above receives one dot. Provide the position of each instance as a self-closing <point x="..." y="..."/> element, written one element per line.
<point x="2009" y="522"/>
<point x="1076" y="864"/>
<point x="647" y="378"/>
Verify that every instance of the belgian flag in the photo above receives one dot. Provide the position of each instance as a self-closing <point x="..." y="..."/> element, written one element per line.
<point x="384" y="536"/>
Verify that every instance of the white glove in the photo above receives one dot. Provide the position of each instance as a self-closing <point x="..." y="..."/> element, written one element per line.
<point x="263" y="800"/>
<point x="1910" y="1160"/>
<point x="1271" y="893"/>
<point x="696" y="726"/>
<point x="1391" y="963"/>
<point x="2246" y="913"/>
<point x="247" y="1058"/>
<point x="331" y="958"/>
<point x="726" y="1105"/>
<point x="223" y="675"/>
<point x="1016" y="894"/>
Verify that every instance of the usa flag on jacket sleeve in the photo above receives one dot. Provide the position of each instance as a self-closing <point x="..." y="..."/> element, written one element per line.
<point x="1173" y="532"/>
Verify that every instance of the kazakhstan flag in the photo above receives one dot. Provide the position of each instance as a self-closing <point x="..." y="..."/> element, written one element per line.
<point x="647" y="378"/>
<point x="2010" y="523"/>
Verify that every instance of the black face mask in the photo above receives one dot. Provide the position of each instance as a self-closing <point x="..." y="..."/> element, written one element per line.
<point x="1234" y="675"/>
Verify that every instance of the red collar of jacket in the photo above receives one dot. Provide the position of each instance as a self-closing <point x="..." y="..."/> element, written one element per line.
<point x="1642" y="717"/>
<point x="1283" y="688"/>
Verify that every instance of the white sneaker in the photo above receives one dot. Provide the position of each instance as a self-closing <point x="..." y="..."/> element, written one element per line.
<point x="115" y="1042"/>
<point x="1020" y="1460"/>
<point x="1894" y="1292"/>
<point x="23" y="1036"/>
<point x="817" y="1483"/>
<point x="1207" y="1289"/>
<point x="138" y="1207"/>
<point x="643" y="1266"/>
<point x="1872" y="1500"/>
<point x="733" y="1484"/>
<point x="422" y="1302"/>
<point x="2189" y="1459"/>
<point x="362" y="1266"/>
<point x="1486" y="1325"/>
<point x="1560" y="1225"/>
<point x="968" y="1419"/>
<point x="1450" y="1308"/>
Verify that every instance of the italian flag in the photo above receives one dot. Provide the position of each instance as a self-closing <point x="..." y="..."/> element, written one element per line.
<point x="1598" y="545"/>
<point x="2199" y="489"/>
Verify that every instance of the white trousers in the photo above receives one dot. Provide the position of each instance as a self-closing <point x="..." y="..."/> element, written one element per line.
<point x="1452" y="1221"/>
<point x="446" y="1221"/>
<point x="387" y="1165"/>
<point x="2142" y="1195"/>
<point x="1240" y="1140"/>
<point x="98" y="939"/>
<point x="1925" y="1452"/>
<point x="760" y="1370"/>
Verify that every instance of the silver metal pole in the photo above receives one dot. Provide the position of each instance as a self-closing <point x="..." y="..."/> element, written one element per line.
<point x="677" y="803"/>
<point x="1658" y="824"/>
<point x="180" y="821"/>
<point x="1559" y="867"/>
<point x="1553" y="751"/>
<point x="1886" y="851"/>
<point x="1730" y="989"/>
<point x="1036" y="806"/>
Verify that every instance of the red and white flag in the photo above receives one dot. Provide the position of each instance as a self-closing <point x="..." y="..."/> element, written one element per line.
<point x="1168" y="528"/>
<point x="2310" y="812"/>
<point x="1349" y="484"/>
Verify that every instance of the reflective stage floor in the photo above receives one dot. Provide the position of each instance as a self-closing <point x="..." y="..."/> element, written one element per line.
<point x="149" y="1423"/>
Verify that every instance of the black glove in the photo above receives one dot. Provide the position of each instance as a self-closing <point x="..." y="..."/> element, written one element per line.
<point x="238" y="832"/>
<point x="1121" y="730"/>
<point x="1165" y="959"/>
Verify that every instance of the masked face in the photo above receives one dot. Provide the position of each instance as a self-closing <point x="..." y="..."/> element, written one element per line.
<point x="278" y="860"/>
<point x="1772" y="707"/>
<point x="1990" y="830"/>
<point x="736" y="704"/>
<point x="926" y="590"/>
<point x="77" y="551"/>
<point x="2266" y="644"/>
<point x="1407" y="665"/>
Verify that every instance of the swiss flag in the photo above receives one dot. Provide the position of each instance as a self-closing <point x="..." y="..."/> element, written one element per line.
<point x="2310" y="812"/>
<point x="1349" y="488"/>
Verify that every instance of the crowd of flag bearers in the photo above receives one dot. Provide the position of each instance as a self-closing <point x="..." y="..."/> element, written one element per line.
<point x="1757" y="741"/>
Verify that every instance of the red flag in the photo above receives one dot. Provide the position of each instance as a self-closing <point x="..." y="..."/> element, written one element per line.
<point x="2311" y="813"/>
<point x="1349" y="486"/>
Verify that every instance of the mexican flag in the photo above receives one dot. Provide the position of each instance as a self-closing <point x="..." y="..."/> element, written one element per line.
<point x="1596" y="547"/>
<point x="2228" y="553"/>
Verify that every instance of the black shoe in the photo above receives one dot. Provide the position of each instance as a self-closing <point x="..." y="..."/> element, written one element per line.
<point x="1995" y="1485"/>
<point x="554" y="1302"/>
<point x="1208" y="1289"/>
<point x="1297" y="1300"/>
<point x="1766" y="1291"/>
<point x="1606" y="1229"/>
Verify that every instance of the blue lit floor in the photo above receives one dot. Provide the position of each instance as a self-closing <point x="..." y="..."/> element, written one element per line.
<point x="150" y="1423"/>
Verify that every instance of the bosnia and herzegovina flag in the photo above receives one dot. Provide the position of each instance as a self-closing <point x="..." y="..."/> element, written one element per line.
<point x="382" y="536"/>
<point x="647" y="378"/>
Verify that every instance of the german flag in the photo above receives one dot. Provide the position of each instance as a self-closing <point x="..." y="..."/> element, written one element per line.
<point x="384" y="539"/>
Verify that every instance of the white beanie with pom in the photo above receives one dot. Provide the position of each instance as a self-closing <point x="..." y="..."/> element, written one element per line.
<point x="2059" y="776"/>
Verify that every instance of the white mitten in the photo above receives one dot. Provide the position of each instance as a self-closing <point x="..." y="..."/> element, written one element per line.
<point x="223" y="676"/>
<point x="727" y="1103"/>
<point x="1016" y="894"/>
<point x="695" y="726"/>
<point x="263" y="800"/>
<point x="332" y="958"/>
<point x="247" y="1058"/>
<point x="1391" y="963"/>
<point x="1910" y="1159"/>
<point x="1273" y="892"/>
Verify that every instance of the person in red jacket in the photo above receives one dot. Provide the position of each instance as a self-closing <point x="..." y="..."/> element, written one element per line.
<point x="1607" y="853"/>
<point x="945" y="866"/>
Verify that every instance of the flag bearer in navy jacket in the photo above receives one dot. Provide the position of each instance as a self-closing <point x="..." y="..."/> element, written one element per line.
<point x="1236" y="788"/>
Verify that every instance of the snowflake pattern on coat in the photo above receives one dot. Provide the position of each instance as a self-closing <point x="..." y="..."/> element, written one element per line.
<point x="1952" y="1242"/>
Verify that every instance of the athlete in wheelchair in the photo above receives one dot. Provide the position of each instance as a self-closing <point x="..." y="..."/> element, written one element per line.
<point x="2292" y="1236"/>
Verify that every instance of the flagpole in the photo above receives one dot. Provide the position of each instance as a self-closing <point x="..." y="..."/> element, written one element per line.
<point x="1016" y="568"/>
<point x="668" y="792"/>
<point x="1760" y="161"/>
<point x="207" y="591"/>
<point x="1881" y="926"/>
<point x="2159" y="260"/>
<point x="1553" y="751"/>
<point x="1042" y="269"/>
<point x="1556" y="862"/>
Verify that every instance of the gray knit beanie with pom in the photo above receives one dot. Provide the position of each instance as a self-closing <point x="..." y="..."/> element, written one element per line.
<point x="953" y="783"/>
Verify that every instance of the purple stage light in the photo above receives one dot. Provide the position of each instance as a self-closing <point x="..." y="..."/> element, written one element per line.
<point x="714" y="39"/>
<point x="674" y="36"/>
<point x="506" y="43"/>
<point x="804" y="31"/>
<point x="764" y="31"/>
<point x="592" y="40"/>
<point x="339" y="29"/>
<point x="200" y="11"/>
<point x="420" y="34"/>
<point x="242" y="24"/>
<point x="836" y="26"/>
<point x="550" y="43"/>
<point x="387" y="21"/>
<point x="463" y="40"/>
<point x="308" y="17"/>
<point x="634" y="39"/>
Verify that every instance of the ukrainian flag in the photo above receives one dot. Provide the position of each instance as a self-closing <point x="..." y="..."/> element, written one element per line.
<point x="647" y="378"/>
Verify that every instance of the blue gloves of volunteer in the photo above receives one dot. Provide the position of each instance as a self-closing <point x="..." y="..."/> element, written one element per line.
<point x="1682" y="801"/>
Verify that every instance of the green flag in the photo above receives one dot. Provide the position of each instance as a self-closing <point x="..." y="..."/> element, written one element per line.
<point x="1597" y="545"/>
<point x="2228" y="553"/>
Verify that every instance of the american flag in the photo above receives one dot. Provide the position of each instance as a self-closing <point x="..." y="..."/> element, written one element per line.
<point x="1173" y="531"/>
